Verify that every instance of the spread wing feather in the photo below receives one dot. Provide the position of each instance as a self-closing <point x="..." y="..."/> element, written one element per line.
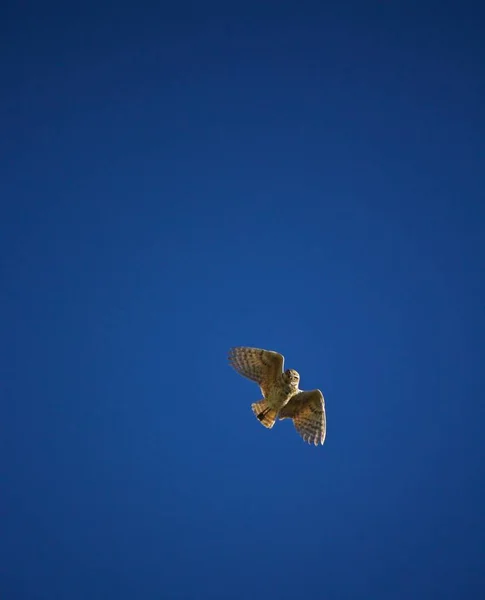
<point x="307" y="409"/>
<point x="262" y="366"/>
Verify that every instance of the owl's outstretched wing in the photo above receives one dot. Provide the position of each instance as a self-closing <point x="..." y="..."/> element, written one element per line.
<point x="307" y="409"/>
<point x="262" y="366"/>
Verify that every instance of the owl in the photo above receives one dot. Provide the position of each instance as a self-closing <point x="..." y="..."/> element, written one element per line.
<point x="282" y="398"/>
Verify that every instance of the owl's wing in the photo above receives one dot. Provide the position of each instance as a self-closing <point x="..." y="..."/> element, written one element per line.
<point x="262" y="366"/>
<point x="307" y="409"/>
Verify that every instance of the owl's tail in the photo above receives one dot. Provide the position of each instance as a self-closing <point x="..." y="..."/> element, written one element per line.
<point x="266" y="415"/>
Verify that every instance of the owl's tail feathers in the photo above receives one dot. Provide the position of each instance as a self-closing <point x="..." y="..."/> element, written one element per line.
<point x="266" y="415"/>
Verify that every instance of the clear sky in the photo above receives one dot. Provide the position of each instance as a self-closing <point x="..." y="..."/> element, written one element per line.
<point x="302" y="177"/>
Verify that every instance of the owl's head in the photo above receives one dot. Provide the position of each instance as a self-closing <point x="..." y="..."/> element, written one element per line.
<point x="292" y="377"/>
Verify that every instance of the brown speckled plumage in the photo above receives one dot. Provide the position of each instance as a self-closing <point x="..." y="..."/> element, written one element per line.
<point x="282" y="397"/>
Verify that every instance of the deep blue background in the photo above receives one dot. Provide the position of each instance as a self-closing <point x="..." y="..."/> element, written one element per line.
<point x="297" y="177"/>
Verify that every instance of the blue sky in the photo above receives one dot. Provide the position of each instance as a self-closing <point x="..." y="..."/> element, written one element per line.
<point x="303" y="177"/>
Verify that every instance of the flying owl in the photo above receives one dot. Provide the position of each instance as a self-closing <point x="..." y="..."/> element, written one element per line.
<point x="282" y="397"/>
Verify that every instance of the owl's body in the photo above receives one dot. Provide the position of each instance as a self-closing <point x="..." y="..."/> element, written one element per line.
<point x="275" y="397"/>
<point x="282" y="397"/>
